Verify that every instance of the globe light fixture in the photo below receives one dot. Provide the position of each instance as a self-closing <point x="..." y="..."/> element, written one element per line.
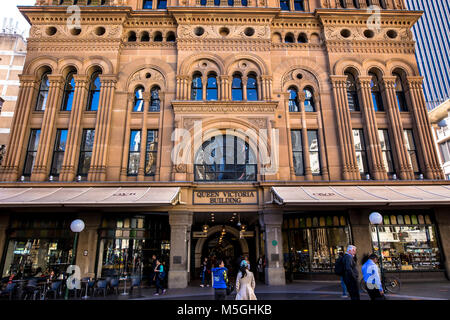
<point x="77" y="225"/>
<point x="376" y="218"/>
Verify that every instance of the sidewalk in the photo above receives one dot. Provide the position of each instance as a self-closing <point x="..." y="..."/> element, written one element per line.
<point x="299" y="290"/>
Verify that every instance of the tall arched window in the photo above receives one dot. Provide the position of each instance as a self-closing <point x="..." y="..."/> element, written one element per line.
<point x="309" y="100"/>
<point x="244" y="3"/>
<point x="217" y="2"/>
<point x="399" y="92"/>
<point x="383" y="4"/>
<point x="225" y="157"/>
<point x="356" y="4"/>
<point x="236" y="88"/>
<point x="148" y="4"/>
<point x="284" y="5"/>
<point x="41" y="102"/>
<point x="203" y="2"/>
<point x="299" y="5"/>
<point x="157" y="37"/>
<point x="197" y="87"/>
<point x="162" y="4"/>
<point x="252" y="88"/>
<point x="132" y="36"/>
<point x="155" y="102"/>
<point x="138" y="99"/>
<point x="343" y="3"/>
<point x="293" y="99"/>
<point x="289" y="38"/>
<point x="352" y="93"/>
<point x="369" y="3"/>
<point x="231" y="3"/>
<point x="69" y="90"/>
<point x="211" y="87"/>
<point x="376" y="94"/>
<point x="94" y="92"/>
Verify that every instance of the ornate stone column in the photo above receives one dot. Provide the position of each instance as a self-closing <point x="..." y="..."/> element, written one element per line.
<point x="375" y="156"/>
<point x="18" y="136"/>
<point x="180" y="245"/>
<point x="179" y="87"/>
<point x="46" y="142"/>
<point x="69" y="168"/>
<point x="223" y="88"/>
<point x="417" y="102"/>
<point x="396" y="128"/>
<point x="244" y="88"/>
<point x="348" y="157"/>
<point x="322" y="149"/>
<point x="273" y="221"/>
<point x="97" y="172"/>
<point x="141" y="171"/>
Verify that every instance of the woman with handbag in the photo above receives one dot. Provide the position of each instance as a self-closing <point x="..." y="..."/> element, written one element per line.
<point x="159" y="275"/>
<point x="245" y="283"/>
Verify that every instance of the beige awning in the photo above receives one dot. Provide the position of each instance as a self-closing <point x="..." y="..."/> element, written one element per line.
<point x="360" y="195"/>
<point x="91" y="196"/>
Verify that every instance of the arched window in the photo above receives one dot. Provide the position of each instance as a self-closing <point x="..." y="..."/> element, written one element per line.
<point x="148" y="4"/>
<point x="43" y="93"/>
<point x="203" y="2"/>
<point x="356" y="4"/>
<point x="302" y="38"/>
<point x="225" y="157"/>
<point x="197" y="87"/>
<point x="162" y="4"/>
<point x="289" y="38"/>
<point x="170" y="37"/>
<point x="293" y="99"/>
<point x="383" y="4"/>
<point x="309" y="100"/>
<point x="94" y="92"/>
<point x="244" y="3"/>
<point x="284" y="5"/>
<point x="299" y="5"/>
<point x="217" y="2"/>
<point x="252" y="88"/>
<point x="369" y="3"/>
<point x="211" y="87"/>
<point x="155" y="102"/>
<point x="236" y="88"/>
<point x="399" y="92"/>
<point x="69" y="90"/>
<point x="132" y="36"/>
<point x="231" y="3"/>
<point x="352" y="93"/>
<point x="158" y="37"/>
<point x="145" y="37"/>
<point x="343" y="3"/>
<point x="376" y="94"/>
<point x="138" y="99"/>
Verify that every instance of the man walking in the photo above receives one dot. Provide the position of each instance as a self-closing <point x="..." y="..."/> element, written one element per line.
<point x="351" y="273"/>
<point x="372" y="279"/>
<point x="220" y="281"/>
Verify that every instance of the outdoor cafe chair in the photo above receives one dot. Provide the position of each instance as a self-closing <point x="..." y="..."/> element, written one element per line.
<point x="100" y="286"/>
<point x="9" y="290"/>
<point x="54" y="288"/>
<point x="114" y="285"/>
<point x="135" y="282"/>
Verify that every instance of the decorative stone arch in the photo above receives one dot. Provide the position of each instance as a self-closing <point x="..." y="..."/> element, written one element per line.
<point x="310" y="80"/>
<point x="35" y="65"/>
<point x="393" y="64"/>
<point x="216" y="229"/>
<point x="186" y="66"/>
<point x="374" y="64"/>
<point x="97" y="61"/>
<point x="139" y="78"/>
<point x="232" y="60"/>
<point x="127" y="71"/>
<point x="311" y="66"/>
<point x="70" y="62"/>
<point x="342" y="65"/>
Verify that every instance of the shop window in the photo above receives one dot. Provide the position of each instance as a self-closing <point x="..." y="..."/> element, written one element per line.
<point x="352" y="93"/>
<point x="58" y="151"/>
<point x="41" y="102"/>
<point x="293" y="99"/>
<point x="314" y="156"/>
<point x="360" y="151"/>
<point x="309" y="100"/>
<point x="284" y="5"/>
<point x="297" y="152"/>
<point x="412" y="153"/>
<point x="138" y="99"/>
<point x="127" y="245"/>
<point x="211" y="87"/>
<point x="32" y="148"/>
<point x="197" y="87"/>
<point x="34" y="246"/>
<point x="94" y="92"/>
<point x="236" y="88"/>
<point x="69" y="90"/>
<point x="314" y="243"/>
<point x="252" y="88"/>
<point x="376" y="94"/>
<point x="151" y="152"/>
<point x="87" y="145"/>
<point x="134" y="152"/>
<point x="155" y="102"/>
<point x="386" y="151"/>
<point x="408" y="243"/>
<point x="224" y="158"/>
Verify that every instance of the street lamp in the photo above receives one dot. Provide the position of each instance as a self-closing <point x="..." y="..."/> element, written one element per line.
<point x="76" y="226"/>
<point x="376" y="219"/>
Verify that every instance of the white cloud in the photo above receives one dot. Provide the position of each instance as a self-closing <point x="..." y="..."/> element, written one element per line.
<point x="8" y="10"/>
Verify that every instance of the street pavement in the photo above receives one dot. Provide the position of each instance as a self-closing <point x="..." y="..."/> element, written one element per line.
<point x="298" y="290"/>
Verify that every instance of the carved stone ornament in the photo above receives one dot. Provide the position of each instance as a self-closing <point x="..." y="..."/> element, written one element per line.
<point x="213" y="32"/>
<point x="258" y="122"/>
<point x="148" y="75"/>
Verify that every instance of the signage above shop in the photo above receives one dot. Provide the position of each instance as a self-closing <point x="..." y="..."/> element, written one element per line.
<point x="199" y="234"/>
<point x="225" y="197"/>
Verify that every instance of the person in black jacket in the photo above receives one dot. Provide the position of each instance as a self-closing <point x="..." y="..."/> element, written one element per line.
<point x="351" y="273"/>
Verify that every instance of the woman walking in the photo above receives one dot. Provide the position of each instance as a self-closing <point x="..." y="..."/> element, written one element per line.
<point x="159" y="275"/>
<point x="245" y="283"/>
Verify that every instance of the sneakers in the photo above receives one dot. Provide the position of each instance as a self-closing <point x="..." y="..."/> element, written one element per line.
<point x="202" y="286"/>
<point x="344" y="296"/>
<point x="156" y="294"/>
<point x="164" y="291"/>
<point x="207" y="285"/>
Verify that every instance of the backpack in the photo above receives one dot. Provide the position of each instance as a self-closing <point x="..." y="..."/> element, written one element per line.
<point x="339" y="267"/>
<point x="162" y="274"/>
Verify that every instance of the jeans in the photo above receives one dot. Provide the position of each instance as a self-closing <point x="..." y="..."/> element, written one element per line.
<point x="352" y="287"/>
<point x="158" y="284"/>
<point x="344" y="288"/>
<point x="205" y="277"/>
<point x="220" y="294"/>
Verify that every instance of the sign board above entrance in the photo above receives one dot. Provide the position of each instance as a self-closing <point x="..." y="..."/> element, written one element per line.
<point x="225" y="197"/>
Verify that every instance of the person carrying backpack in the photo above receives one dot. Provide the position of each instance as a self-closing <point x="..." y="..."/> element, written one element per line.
<point x="160" y="274"/>
<point x="220" y="281"/>
<point x="339" y="270"/>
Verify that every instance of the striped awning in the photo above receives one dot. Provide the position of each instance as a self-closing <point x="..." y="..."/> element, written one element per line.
<point x="90" y="196"/>
<point x="360" y="195"/>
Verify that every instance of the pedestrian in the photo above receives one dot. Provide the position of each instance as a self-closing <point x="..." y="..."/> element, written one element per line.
<point x="350" y="274"/>
<point x="152" y="270"/>
<point x="159" y="276"/>
<point x="245" y="283"/>
<point x="372" y="278"/>
<point x="205" y="272"/>
<point x="260" y="268"/>
<point x="220" y="280"/>
<point x="344" y="288"/>
<point x="248" y="262"/>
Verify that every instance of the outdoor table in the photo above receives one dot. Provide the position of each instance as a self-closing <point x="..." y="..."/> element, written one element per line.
<point x="124" y="293"/>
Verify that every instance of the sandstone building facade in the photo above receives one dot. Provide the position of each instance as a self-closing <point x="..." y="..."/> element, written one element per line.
<point x="313" y="115"/>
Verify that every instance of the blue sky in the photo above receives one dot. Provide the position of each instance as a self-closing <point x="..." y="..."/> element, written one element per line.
<point x="8" y="9"/>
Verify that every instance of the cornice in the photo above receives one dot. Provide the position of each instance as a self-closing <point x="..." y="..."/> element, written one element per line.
<point x="223" y="44"/>
<point x="367" y="46"/>
<point x="201" y="107"/>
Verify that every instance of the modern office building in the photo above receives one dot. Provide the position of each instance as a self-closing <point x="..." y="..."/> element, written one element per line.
<point x="431" y="34"/>
<point x="440" y="120"/>
<point x="199" y="128"/>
